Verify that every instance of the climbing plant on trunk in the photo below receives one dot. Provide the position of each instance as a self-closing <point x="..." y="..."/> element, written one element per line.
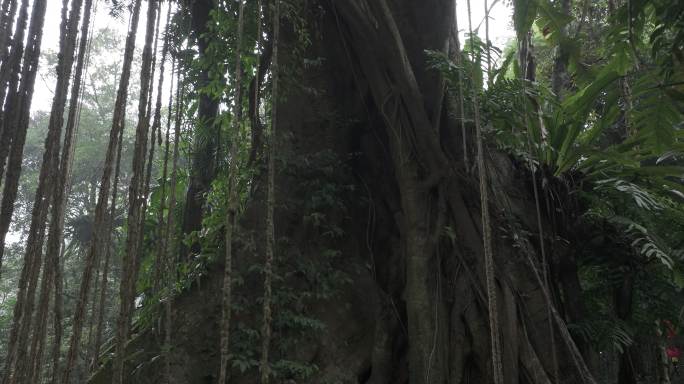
<point x="135" y="197"/>
<point x="99" y="327"/>
<point x="266" y="330"/>
<point x="56" y="232"/>
<point x="24" y="308"/>
<point x="96" y="244"/>
<point x="232" y="197"/>
<point x="171" y="241"/>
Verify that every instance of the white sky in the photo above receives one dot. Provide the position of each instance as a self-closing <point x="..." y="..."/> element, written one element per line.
<point x="500" y="32"/>
<point x="500" y="21"/>
<point x="42" y="99"/>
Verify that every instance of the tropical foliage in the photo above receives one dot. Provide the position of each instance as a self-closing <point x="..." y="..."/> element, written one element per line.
<point x="613" y="139"/>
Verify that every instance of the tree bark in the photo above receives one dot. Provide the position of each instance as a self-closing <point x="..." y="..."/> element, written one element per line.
<point x="11" y="97"/>
<point x="24" y="307"/>
<point x="171" y="242"/>
<point x="88" y="345"/>
<point x="58" y="315"/>
<point x="203" y="167"/>
<point x="13" y="48"/>
<point x="266" y="331"/>
<point x="135" y="208"/>
<point x="623" y="311"/>
<point x="7" y="14"/>
<point x="107" y="254"/>
<point x="415" y="176"/>
<point x="560" y="61"/>
<point x="96" y="244"/>
<point x="490" y="278"/>
<point x="160" y="251"/>
<point x="264" y="53"/>
<point x="155" y="130"/>
<point x="232" y="195"/>
<point x="59" y="195"/>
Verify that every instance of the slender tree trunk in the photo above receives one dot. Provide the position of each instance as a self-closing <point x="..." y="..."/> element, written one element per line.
<point x="94" y="300"/>
<point x="623" y="310"/>
<point x="12" y="41"/>
<point x="160" y="252"/>
<point x="107" y="250"/>
<point x="264" y="60"/>
<point x="487" y="42"/>
<point x="9" y="45"/>
<point x="157" y="125"/>
<point x="582" y="19"/>
<point x="232" y="203"/>
<point x="59" y="195"/>
<point x="12" y="50"/>
<point x="147" y="162"/>
<point x="135" y="196"/>
<point x="58" y="315"/>
<point x="270" y="207"/>
<point x="153" y="66"/>
<point x="458" y="58"/>
<point x="497" y="365"/>
<point x="66" y="166"/>
<point x="107" y="253"/>
<point x="172" y="240"/>
<point x="528" y="73"/>
<point x="99" y="225"/>
<point x="9" y="117"/>
<point x="559" y="74"/>
<point x="46" y="183"/>
<point x="7" y="13"/>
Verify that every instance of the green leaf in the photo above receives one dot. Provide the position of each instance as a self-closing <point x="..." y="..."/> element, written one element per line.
<point x="500" y="72"/>
<point x="525" y="11"/>
<point x="678" y="277"/>
<point x="584" y="98"/>
<point x="552" y="21"/>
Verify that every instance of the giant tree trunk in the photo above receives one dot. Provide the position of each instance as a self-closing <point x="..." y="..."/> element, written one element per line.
<point x="203" y="167"/>
<point x="416" y="310"/>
